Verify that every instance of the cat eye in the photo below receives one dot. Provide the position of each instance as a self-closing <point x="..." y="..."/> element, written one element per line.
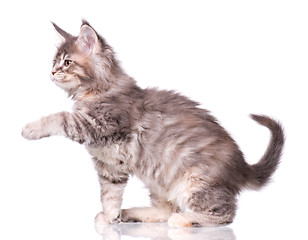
<point x="67" y="63"/>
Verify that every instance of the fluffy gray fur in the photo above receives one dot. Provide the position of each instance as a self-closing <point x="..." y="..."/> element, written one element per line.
<point x="192" y="167"/>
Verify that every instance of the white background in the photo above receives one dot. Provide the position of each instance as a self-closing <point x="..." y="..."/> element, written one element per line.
<point x="234" y="57"/>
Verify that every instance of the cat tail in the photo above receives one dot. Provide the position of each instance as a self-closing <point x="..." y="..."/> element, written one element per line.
<point x="262" y="171"/>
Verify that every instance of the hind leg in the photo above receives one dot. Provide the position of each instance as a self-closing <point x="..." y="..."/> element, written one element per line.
<point x="145" y="214"/>
<point x="209" y="207"/>
<point x="160" y="211"/>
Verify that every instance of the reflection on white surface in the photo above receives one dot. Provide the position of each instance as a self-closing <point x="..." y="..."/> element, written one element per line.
<point x="161" y="231"/>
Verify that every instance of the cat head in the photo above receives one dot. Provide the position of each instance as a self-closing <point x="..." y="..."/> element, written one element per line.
<point x="83" y="63"/>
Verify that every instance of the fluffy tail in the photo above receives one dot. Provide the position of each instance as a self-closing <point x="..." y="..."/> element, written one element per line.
<point x="261" y="171"/>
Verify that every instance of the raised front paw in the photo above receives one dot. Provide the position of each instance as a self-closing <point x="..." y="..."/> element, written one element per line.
<point x="34" y="131"/>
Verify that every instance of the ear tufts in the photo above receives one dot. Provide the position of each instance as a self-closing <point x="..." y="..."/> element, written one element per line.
<point x="85" y="22"/>
<point x="62" y="33"/>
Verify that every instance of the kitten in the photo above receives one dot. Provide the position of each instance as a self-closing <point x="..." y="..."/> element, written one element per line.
<point x="192" y="167"/>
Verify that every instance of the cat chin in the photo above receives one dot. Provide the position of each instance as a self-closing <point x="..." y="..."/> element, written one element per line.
<point x="59" y="83"/>
<point x="56" y="79"/>
<point x="65" y="83"/>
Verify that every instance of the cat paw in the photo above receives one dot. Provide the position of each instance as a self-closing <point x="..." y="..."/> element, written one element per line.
<point x="103" y="219"/>
<point x="177" y="220"/>
<point x="33" y="131"/>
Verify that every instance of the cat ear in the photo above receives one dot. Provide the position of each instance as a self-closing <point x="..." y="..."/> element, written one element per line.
<point x="87" y="41"/>
<point x="64" y="35"/>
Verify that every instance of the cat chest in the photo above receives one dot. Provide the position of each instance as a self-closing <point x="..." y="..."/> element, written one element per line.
<point x="114" y="154"/>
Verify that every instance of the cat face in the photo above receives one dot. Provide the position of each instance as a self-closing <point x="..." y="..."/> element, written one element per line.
<point x="77" y="59"/>
<point x="65" y="72"/>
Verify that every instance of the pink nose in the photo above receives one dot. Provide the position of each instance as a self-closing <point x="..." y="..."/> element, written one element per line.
<point x="53" y="73"/>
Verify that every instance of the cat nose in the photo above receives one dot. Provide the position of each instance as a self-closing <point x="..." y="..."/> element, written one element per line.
<point x="53" y="73"/>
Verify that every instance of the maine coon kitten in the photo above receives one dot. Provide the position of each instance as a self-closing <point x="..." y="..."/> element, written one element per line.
<point x="192" y="167"/>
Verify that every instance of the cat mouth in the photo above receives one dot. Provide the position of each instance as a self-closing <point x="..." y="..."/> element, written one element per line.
<point x="59" y="77"/>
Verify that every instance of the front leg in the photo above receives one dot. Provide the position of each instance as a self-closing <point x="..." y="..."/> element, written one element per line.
<point x="64" y="123"/>
<point x="111" y="199"/>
